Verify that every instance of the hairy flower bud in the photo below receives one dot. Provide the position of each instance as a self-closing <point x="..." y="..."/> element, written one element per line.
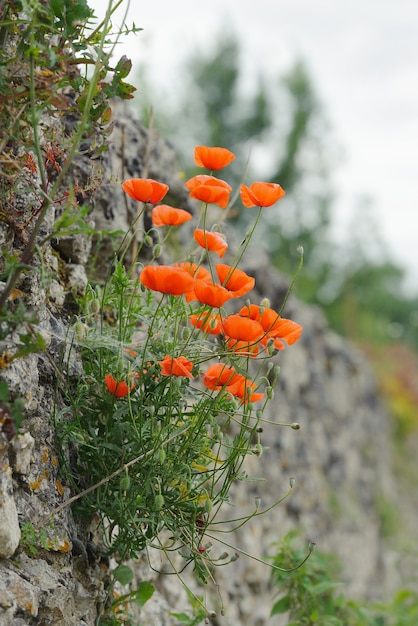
<point x="159" y="501"/>
<point x="80" y="330"/>
<point x="185" y="333"/>
<point x="125" y="482"/>
<point x="208" y="506"/>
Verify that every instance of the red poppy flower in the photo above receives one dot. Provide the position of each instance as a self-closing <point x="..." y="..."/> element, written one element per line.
<point x="166" y="279"/>
<point x="236" y="281"/>
<point x="209" y="189"/>
<point x="212" y="158"/>
<point x="211" y="241"/>
<point x="207" y="322"/>
<point x="261" y="194"/>
<point x="210" y="293"/>
<point x="117" y="389"/>
<point x="176" y="366"/>
<point x="165" y="215"/>
<point x="145" y="189"/>
<point x="274" y="326"/>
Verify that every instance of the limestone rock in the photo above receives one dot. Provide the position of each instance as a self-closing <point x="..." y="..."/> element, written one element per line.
<point x="9" y="524"/>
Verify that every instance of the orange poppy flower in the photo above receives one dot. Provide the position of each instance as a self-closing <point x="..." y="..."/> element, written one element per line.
<point x="246" y="392"/>
<point x="209" y="189"/>
<point x="242" y="328"/>
<point x="261" y="194"/>
<point x="242" y="348"/>
<point x="165" y="215"/>
<point x="219" y="375"/>
<point x="236" y="281"/>
<point x="211" y="241"/>
<point x="145" y="189"/>
<point x="166" y="279"/>
<point x="207" y="322"/>
<point x="176" y="366"/>
<point x="117" y="389"/>
<point x="210" y="293"/>
<point x="195" y="270"/>
<point x="275" y="327"/>
<point x="212" y="158"/>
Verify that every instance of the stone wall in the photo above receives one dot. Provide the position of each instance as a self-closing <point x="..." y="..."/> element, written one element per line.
<point x="340" y="458"/>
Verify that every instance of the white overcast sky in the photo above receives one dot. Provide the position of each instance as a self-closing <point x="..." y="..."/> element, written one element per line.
<point x="363" y="59"/>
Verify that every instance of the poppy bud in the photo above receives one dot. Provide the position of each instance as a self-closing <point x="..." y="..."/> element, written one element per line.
<point x="161" y="455"/>
<point x="270" y="393"/>
<point x="208" y="505"/>
<point x="125" y="482"/>
<point x="185" y="333"/>
<point x="158" y="501"/>
<point x="148" y="241"/>
<point x="94" y="306"/>
<point x="157" y="251"/>
<point x="291" y="482"/>
<point x="79" y="330"/>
